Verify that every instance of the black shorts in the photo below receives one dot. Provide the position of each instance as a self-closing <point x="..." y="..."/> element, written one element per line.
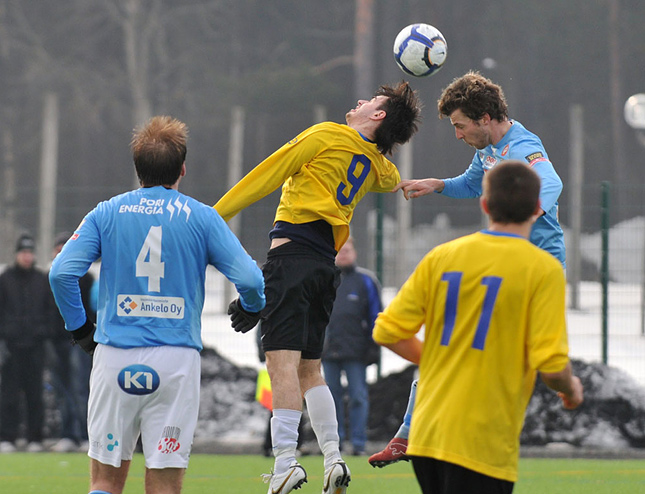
<point x="300" y="288"/>
<point x="440" y="477"/>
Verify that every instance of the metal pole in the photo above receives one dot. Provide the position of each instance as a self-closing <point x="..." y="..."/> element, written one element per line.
<point x="235" y="150"/>
<point x="48" y="174"/>
<point x="604" y="267"/>
<point x="404" y="218"/>
<point x="575" y="203"/>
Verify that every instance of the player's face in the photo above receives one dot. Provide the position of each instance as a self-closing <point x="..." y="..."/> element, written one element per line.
<point x="475" y="133"/>
<point x="365" y="109"/>
<point x="25" y="258"/>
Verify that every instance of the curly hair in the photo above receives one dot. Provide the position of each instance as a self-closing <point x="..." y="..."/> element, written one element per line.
<point x="402" y="116"/>
<point x="159" y="151"/>
<point x="474" y="95"/>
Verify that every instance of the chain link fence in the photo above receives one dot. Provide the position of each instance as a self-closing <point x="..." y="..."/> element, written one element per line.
<point x="606" y="298"/>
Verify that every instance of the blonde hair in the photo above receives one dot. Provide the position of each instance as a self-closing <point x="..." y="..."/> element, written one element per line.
<point x="159" y="150"/>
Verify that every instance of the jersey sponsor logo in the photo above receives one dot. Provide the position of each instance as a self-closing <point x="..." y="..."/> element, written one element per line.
<point x="169" y="442"/>
<point x="138" y="379"/>
<point x="179" y="208"/>
<point x="536" y="157"/>
<point x="145" y="206"/>
<point x="505" y="150"/>
<point x="150" y="306"/>
<point x="489" y="162"/>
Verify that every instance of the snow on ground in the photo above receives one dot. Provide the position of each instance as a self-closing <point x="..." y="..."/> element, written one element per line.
<point x="626" y="344"/>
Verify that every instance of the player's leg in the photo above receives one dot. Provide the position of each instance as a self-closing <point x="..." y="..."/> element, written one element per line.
<point x="320" y="402"/>
<point x="322" y="414"/>
<point x="164" y="480"/>
<point x="283" y="336"/>
<point x="287" y="474"/>
<point x="107" y="478"/>
<point x="332" y="374"/>
<point x="287" y="404"/>
<point x="398" y="445"/>
<point x="169" y="415"/>
<point x="112" y="430"/>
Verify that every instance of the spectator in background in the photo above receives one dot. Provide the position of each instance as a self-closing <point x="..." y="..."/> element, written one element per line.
<point x="25" y="311"/>
<point x="349" y="347"/>
<point x="72" y="367"/>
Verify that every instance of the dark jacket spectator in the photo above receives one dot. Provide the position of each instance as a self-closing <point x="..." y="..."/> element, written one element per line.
<point x="25" y="317"/>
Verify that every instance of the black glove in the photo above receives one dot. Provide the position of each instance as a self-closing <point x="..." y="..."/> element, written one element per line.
<point x="84" y="337"/>
<point x="241" y="319"/>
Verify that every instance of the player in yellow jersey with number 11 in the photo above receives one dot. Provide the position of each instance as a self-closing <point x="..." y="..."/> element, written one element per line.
<point x="493" y="307"/>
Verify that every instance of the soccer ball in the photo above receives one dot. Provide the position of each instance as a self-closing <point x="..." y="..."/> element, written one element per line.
<point x="420" y="50"/>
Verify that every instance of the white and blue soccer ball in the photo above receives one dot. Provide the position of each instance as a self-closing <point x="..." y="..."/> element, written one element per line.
<point x="420" y="50"/>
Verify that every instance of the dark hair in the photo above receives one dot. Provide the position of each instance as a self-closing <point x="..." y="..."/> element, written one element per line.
<point x="474" y="95"/>
<point x="402" y="114"/>
<point x="159" y="151"/>
<point x="512" y="192"/>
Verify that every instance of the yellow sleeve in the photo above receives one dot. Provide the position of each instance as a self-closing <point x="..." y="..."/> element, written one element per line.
<point x="270" y="174"/>
<point x="407" y="312"/>
<point x="387" y="179"/>
<point x="548" y="346"/>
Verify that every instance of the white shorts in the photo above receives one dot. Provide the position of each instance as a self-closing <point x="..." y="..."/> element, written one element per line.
<point x="149" y="391"/>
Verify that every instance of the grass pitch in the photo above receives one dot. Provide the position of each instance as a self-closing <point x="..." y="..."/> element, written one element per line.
<point x="52" y="473"/>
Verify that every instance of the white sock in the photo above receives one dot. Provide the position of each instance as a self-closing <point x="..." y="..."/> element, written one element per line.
<point x="284" y="437"/>
<point x="322" y="413"/>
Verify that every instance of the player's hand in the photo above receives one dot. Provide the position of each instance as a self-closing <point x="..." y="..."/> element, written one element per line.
<point x="84" y="337"/>
<point x="418" y="188"/>
<point x="242" y="320"/>
<point x="575" y="398"/>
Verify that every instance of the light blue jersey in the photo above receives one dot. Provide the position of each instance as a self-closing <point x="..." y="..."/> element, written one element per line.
<point x="154" y="244"/>
<point x="518" y="144"/>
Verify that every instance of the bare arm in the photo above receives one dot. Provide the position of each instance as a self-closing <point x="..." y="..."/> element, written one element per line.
<point x="418" y="188"/>
<point x="567" y="385"/>
<point x="408" y="349"/>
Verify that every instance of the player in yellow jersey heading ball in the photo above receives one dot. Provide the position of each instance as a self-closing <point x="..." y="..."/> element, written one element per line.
<point x="493" y="306"/>
<point x="324" y="172"/>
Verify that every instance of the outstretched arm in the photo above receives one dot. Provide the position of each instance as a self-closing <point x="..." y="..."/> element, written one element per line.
<point x="420" y="187"/>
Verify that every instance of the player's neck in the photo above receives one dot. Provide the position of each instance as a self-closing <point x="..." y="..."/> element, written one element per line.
<point x="521" y="229"/>
<point x="366" y="129"/>
<point x="499" y="130"/>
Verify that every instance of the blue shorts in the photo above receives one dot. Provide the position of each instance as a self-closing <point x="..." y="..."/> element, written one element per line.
<point x="300" y="287"/>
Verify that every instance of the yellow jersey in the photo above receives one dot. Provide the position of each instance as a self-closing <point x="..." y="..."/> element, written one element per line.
<point x="324" y="172"/>
<point x="493" y="306"/>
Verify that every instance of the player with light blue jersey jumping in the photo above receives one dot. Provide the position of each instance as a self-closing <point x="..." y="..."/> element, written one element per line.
<point x="518" y="144"/>
<point x="155" y="245"/>
<point x="478" y="111"/>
